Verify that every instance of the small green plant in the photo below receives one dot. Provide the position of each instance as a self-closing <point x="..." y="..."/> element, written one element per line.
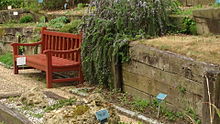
<point x="58" y="22"/>
<point x="72" y="27"/>
<point x="42" y="19"/>
<point x="7" y="59"/>
<point x="60" y="104"/>
<point x="140" y="104"/>
<point x="181" y="89"/>
<point x="80" y="5"/>
<point x="26" y="19"/>
<point x="189" y="26"/>
<point x="193" y="116"/>
<point x="2" y="122"/>
<point x="38" y="115"/>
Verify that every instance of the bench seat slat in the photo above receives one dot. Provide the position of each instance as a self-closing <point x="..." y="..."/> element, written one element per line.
<point x="40" y="59"/>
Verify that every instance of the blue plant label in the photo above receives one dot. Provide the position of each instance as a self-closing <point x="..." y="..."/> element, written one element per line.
<point x="40" y="1"/>
<point x="161" y="96"/>
<point x="102" y="115"/>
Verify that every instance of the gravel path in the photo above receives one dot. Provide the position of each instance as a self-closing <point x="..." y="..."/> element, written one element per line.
<point x="28" y="79"/>
<point x="14" y="83"/>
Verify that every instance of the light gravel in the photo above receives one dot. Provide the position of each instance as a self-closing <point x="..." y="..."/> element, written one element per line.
<point x="12" y="84"/>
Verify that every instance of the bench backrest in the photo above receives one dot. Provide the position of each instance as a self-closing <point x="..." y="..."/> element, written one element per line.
<point x="59" y="41"/>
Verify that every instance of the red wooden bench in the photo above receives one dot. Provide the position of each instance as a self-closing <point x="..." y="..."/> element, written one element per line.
<point x="60" y="52"/>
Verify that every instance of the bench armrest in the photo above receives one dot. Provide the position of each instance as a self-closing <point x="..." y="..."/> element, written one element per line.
<point x="16" y="46"/>
<point x="26" y="44"/>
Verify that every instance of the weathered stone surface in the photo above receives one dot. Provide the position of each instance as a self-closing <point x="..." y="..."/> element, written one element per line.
<point x="196" y="2"/>
<point x="82" y="114"/>
<point x="7" y="15"/>
<point x="180" y="99"/>
<point x="34" y="97"/>
<point x="207" y="20"/>
<point x="11" y="116"/>
<point x="10" y="35"/>
<point x="170" y="62"/>
<point x="163" y="76"/>
<point x="152" y="71"/>
<point x="212" y="86"/>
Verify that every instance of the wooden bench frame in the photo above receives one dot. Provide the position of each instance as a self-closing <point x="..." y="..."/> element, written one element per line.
<point x="60" y="52"/>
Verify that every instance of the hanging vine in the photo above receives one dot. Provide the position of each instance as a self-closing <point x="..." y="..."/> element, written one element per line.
<point x="110" y="26"/>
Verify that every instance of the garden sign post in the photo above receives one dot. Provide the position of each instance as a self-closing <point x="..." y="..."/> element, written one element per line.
<point x="160" y="97"/>
<point x="102" y="116"/>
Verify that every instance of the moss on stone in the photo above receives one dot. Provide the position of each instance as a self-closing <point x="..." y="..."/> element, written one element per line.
<point x="2" y="32"/>
<point x="80" y="110"/>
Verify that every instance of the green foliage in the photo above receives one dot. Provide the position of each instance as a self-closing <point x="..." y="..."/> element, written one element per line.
<point x="184" y="25"/>
<point x="37" y="115"/>
<point x="13" y="3"/>
<point x="7" y="59"/>
<point x="58" y="22"/>
<point x="72" y="27"/>
<point x="53" y="4"/>
<point x="216" y="5"/>
<point x="189" y="26"/>
<point x="81" y="5"/>
<point x="140" y="104"/>
<point x="42" y="19"/>
<point x="187" y="11"/>
<point x="60" y="104"/>
<point x="32" y="5"/>
<point x="192" y="114"/>
<point x="181" y="89"/>
<point x="111" y="26"/>
<point x="26" y="19"/>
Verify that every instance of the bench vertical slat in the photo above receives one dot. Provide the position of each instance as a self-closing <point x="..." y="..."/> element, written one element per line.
<point x="45" y="42"/>
<point x="60" y="44"/>
<point x="63" y="46"/>
<point x="51" y="42"/>
<point x="56" y="45"/>
<point x="77" y="43"/>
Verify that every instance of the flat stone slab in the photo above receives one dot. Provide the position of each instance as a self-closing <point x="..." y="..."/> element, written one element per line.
<point x="209" y="13"/>
<point x="10" y="116"/>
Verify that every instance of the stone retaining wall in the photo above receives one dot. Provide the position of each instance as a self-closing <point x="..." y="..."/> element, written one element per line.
<point x="8" y="15"/>
<point x="196" y="2"/>
<point x="207" y="20"/>
<point x="152" y="71"/>
<point x="10" y="35"/>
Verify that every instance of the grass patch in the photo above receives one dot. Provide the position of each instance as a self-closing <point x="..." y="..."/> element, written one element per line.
<point x="7" y="59"/>
<point x="10" y="25"/>
<point x="60" y="104"/>
<point x="201" y="48"/>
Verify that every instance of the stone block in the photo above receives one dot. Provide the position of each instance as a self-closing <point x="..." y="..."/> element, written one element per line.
<point x="207" y="20"/>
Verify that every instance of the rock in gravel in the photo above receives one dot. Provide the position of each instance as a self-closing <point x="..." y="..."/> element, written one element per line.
<point x="34" y="97"/>
<point x="82" y="114"/>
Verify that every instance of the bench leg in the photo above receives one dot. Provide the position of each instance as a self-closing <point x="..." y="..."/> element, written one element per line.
<point x="49" y="79"/>
<point x="15" y="68"/>
<point x="81" y="76"/>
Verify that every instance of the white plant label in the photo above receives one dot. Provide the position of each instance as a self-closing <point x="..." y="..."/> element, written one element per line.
<point x="9" y="7"/>
<point x="15" y="13"/>
<point x="21" y="60"/>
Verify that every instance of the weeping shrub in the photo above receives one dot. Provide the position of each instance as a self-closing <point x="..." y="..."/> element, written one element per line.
<point x="109" y="28"/>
